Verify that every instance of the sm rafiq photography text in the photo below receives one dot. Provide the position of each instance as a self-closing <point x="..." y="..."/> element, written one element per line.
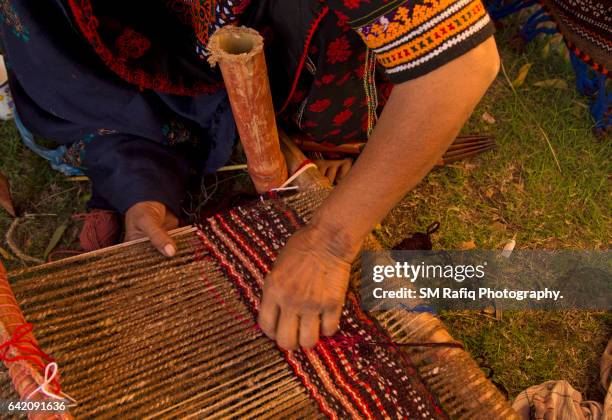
<point x="458" y="273"/>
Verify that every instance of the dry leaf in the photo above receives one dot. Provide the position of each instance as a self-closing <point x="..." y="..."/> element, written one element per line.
<point x="498" y="226"/>
<point x="469" y="166"/>
<point x="489" y="310"/>
<point x="55" y="238"/>
<point x="5" y="195"/>
<point x="552" y="83"/>
<point x="6" y="255"/>
<point x="488" y="118"/>
<point x="522" y="74"/>
<point x="467" y="245"/>
<point x="546" y="50"/>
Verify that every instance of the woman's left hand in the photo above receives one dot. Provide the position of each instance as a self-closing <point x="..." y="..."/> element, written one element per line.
<point x="304" y="293"/>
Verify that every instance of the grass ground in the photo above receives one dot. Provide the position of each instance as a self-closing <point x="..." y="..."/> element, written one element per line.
<point x="516" y="190"/>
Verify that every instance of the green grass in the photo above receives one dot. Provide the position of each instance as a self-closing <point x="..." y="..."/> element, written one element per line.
<point x="518" y="190"/>
<point x="514" y="190"/>
<point x="527" y="348"/>
<point x="37" y="190"/>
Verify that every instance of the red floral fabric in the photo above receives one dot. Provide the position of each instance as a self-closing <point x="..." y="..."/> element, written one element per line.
<point x="330" y="103"/>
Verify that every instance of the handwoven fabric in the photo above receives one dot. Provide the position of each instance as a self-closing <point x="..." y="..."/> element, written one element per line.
<point x="586" y="26"/>
<point x="138" y="335"/>
<point x="370" y="377"/>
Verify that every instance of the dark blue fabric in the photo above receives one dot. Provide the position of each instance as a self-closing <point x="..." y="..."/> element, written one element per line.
<point x="127" y="170"/>
<point x="63" y="92"/>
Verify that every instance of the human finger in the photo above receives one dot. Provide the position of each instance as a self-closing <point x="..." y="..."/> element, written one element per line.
<point x="288" y="330"/>
<point x="157" y="235"/>
<point x="330" y="320"/>
<point x="309" y="329"/>
<point x="268" y="315"/>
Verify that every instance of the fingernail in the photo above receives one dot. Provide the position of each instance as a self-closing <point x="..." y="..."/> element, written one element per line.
<point x="169" y="250"/>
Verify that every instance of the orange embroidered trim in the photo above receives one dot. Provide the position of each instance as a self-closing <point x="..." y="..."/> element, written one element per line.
<point x="433" y="38"/>
<point x="400" y="22"/>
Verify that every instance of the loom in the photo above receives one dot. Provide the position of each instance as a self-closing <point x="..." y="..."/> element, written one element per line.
<point x="137" y="335"/>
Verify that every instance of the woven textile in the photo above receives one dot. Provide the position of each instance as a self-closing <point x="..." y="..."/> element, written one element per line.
<point x="370" y="377"/>
<point x="137" y="335"/>
<point x="586" y="26"/>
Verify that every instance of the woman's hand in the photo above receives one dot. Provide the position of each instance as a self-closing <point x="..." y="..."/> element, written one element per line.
<point x="153" y="220"/>
<point x="304" y="293"/>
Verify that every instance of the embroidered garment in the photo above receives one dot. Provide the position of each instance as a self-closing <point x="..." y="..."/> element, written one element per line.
<point x="369" y="377"/>
<point x="343" y="90"/>
<point x="137" y="75"/>
<point x="586" y="27"/>
<point x="411" y="38"/>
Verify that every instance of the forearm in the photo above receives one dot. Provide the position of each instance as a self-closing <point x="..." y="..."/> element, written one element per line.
<point x="419" y="122"/>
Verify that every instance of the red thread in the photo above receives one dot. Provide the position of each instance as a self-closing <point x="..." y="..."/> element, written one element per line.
<point x="27" y="350"/>
<point x="216" y="295"/>
<point x="101" y="229"/>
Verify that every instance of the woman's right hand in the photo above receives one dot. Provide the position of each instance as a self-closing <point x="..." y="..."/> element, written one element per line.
<point x="153" y="220"/>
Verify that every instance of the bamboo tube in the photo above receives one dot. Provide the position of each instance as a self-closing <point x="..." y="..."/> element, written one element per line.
<point x="239" y="52"/>
<point x="26" y="376"/>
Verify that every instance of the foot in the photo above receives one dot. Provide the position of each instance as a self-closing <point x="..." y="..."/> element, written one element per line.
<point x="334" y="170"/>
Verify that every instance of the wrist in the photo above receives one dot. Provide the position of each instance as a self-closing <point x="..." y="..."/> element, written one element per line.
<point x="333" y="237"/>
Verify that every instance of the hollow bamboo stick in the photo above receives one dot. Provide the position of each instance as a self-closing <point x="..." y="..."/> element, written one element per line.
<point x="239" y="53"/>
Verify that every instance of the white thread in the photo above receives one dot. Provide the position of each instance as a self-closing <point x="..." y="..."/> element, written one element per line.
<point x="294" y="177"/>
<point x="49" y="376"/>
<point x="280" y="189"/>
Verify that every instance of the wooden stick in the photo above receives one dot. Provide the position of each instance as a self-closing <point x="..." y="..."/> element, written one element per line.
<point x="460" y="143"/>
<point x="239" y="52"/>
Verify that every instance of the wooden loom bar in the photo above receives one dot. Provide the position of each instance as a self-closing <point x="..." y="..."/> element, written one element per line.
<point x="26" y="374"/>
<point x="239" y="52"/>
